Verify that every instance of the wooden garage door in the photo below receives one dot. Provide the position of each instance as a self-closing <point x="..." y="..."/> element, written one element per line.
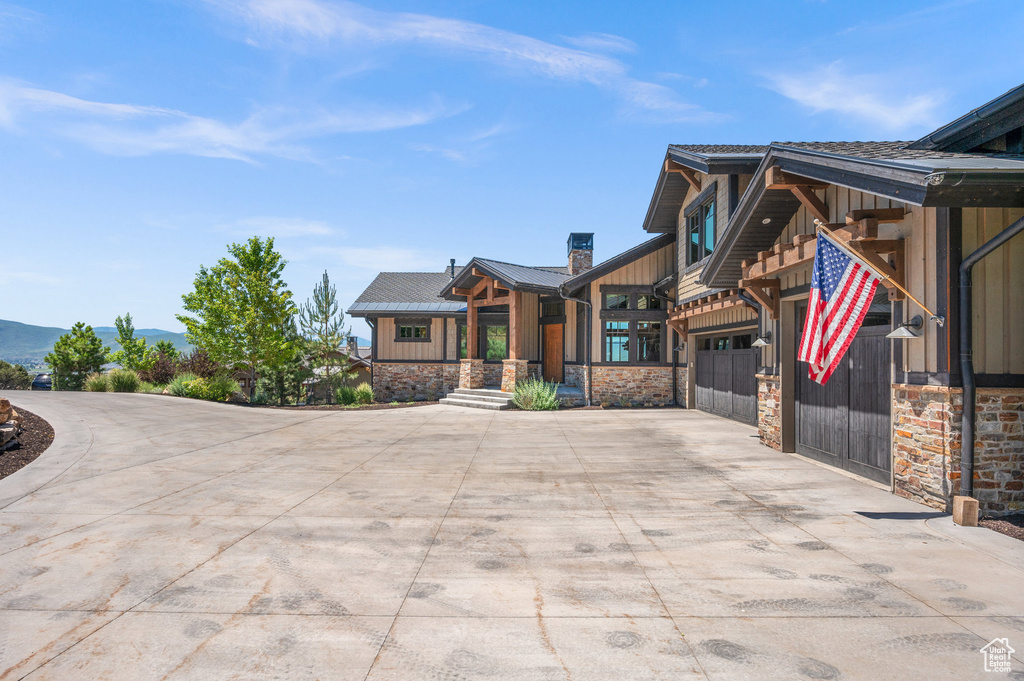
<point x="727" y="377"/>
<point x="845" y="422"/>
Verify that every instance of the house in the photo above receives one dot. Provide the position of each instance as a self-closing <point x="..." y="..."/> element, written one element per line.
<point x="491" y="323"/>
<point x="708" y="312"/>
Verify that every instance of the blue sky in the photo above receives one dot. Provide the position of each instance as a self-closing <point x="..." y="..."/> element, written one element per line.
<point x="140" y="137"/>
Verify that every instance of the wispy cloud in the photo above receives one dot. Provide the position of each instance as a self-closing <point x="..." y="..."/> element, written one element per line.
<point x="379" y="258"/>
<point x="137" y="130"/>
<point x="281" y="227"/>
<point x="31" y="277"/>
<point x="876" y="99"/>
<point x="301" y="24"/>
<point x="602" y="42"/>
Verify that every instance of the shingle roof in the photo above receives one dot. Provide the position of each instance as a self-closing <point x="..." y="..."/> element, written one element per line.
<point x="711" y="149"/>
<point x="409" y="292"/>
<point x="890" y="151"/>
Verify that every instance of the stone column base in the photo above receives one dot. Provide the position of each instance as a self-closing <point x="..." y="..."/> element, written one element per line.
<point x="471" y="374"/>
<point x="512" y="371"/>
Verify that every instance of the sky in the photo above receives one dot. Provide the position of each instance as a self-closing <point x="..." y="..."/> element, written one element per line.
<point x="138" y="138"/>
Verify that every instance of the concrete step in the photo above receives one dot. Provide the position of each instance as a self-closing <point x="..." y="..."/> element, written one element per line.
<point x="482" y="392"/>
<point x="475" y="403"/>
<point x="500" y="398"/>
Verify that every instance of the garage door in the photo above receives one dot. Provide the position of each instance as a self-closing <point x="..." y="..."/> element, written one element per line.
<point x="845" y="422"/>
<point x="727" y="376"/>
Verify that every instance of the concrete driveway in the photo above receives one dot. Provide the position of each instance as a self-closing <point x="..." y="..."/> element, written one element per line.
<point x="162" y="538"/>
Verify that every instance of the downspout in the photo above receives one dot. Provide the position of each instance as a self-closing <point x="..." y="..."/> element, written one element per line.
<point x="966" y="354"/>
<point x="675" y="353"/>
<point x="590" y="375"/>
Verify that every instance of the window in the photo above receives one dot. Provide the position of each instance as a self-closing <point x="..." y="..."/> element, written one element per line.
<point x="742" y="342"/>
<point x="648" y="341"/>
<point x="552" y="309"/>
<point x="646" y="301"/>
<point x="616" y="341"/>
<point x="616" y="301"/>
<point x="412" y="331"/>
<point x="721" y="343"/>
<point x="493" y="342"/>
<point x="700" y="230"/>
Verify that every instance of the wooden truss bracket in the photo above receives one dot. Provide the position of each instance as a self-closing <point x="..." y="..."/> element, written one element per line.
<point x="688" y="173"/>
<point x="811" y="202"/>
<point x="680" y="326"/>
<point x="871" y="252"/>
<point x="777" y="178"/>
<point x="766" y="293"/>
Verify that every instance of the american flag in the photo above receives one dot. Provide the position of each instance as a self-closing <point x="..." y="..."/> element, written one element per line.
<point x="842" y="288"/>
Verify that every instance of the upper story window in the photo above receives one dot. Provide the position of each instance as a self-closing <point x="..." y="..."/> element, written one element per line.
<point x="700" y="226"/>
<point x="412" y="330"/>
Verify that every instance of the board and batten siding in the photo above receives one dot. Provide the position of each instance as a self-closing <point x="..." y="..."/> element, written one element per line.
<point x="645" y="271"/>
<point x="998" y="291"/>
<point x="570" y="331"/>
<point x="730" y="315"/>
<point x="388" y="348"/>
<point x="531" y="323"/>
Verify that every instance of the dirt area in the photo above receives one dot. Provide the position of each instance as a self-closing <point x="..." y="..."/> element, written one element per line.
<point x="1011" y="526"/>
<point x="37" y="436"/>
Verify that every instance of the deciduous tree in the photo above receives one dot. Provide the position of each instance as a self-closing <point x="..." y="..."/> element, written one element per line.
<point x="240" y="306"/>
<point x="132" y="354"/>
<point x="76" y="355"/>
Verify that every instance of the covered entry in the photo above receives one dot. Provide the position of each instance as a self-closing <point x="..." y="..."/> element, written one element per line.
<point x="727" y="376"/>
<point x="845" y="423"/>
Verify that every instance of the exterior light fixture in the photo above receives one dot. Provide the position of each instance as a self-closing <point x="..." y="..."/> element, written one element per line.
<point x="766" y="221"/>
<point x="911" y="329"/>
<point x="762" y="341"/>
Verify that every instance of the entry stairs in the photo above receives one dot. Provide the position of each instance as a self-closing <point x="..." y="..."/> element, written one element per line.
<point x="479" y="398"/>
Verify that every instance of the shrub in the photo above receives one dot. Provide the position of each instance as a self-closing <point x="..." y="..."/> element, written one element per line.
<point x="123" y="381"/>
<point x="96" y="383"/>
<point x="346" y="394"/>
<point x="221" y="388"/>
<point x="199" y="364"/>
<point x="536" y="395"/>
<point x="160" y="370"/>
<point x="364" y="393"/>
<point x="153" y="388"/>
<point x="177" y="385"/>
<point x="14" y="377"/>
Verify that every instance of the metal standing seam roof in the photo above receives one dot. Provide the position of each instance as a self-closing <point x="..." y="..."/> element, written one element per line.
<point x="545" y="277"/>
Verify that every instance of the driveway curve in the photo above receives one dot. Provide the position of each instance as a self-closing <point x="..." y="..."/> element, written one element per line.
<point x="164" y="538"/>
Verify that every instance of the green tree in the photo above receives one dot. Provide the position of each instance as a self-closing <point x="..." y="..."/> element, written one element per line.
<point x="322" y="323"/>
<point x="14" y="377"/>
<point x="76" y="355"/>
<point x="240" y="307"/>
<point x="132" y="354"/>
<point x="165" y="347"/>
<point x="283" y="382"/>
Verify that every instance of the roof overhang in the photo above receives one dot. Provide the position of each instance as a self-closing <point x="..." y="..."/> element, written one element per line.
<point x="987" y="122"/>
<point x="468" y="278"/>
<point x="438" y="309"/>
<point x="574" y="284"/>
<point x="672" y="187"/>
<point x="940" y="182"/>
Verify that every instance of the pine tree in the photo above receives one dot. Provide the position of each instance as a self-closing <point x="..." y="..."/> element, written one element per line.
<point x="322" y="324"/>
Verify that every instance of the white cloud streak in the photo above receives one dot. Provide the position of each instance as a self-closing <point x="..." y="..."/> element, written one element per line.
<point x="874" y="99"/>
<point x="134" y="130"/>
<point x="379" y="258"/>
<point x="281" y="227"/>
<point x="302" y="23"/>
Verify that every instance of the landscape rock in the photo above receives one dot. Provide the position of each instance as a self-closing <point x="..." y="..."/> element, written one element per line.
<point x="8" y="432"/>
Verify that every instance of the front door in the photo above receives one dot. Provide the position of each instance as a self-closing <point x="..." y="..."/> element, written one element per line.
<point x="553" y="352"/>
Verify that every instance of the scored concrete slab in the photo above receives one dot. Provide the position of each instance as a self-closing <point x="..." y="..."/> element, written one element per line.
<point x="163" y="538"/>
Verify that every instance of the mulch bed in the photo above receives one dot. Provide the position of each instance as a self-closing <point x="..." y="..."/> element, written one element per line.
<point x="1011" y="525"/>
<point x="338" y="407"/>
<point x="33" y="441"/>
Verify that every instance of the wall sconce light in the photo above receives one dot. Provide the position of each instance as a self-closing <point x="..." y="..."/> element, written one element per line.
<point x="762" y="341"/>
<point x="911" y="329"/>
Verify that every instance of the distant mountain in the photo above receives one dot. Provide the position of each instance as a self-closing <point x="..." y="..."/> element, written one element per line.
<point x="28" y="345"/>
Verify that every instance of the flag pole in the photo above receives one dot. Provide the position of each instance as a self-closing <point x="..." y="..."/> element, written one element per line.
<point x="839" y="242"/>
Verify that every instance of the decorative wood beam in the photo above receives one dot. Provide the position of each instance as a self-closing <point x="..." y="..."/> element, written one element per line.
<point x="864" y="229"/>
<point x="462" y="292"/>
<point x="712" y="306"/>
<point x="811" y="202"/>
<point x="776" y="178"/>
<point x="882" y="265"/>
<point x="680" y="326"/>
<point x="765" y="292"/>
<point x="480" y="286"/>
<point x="516" y="328"/>
<point x="477" y="273"/>
<point x="688" y="173"/>
<point x="471" y="331"/>
<point x="883" y="215"/>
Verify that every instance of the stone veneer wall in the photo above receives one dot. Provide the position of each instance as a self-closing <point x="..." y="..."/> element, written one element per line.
<point x="769" y="413"/>
<point x="636" y="386"/>
<point x="926" y="446"/>
<point x="409" y="381"/>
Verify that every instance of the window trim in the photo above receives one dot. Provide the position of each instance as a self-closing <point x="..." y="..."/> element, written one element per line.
<point x="413" y="322"/>
<point x="695" y="207"/>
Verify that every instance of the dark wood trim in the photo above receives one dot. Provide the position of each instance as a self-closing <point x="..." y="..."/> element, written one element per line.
<point x="999" y="380"/>
<point x="734" y="193"/>
<point x="625" y="288"/>
<point x="795" y="291"/>
<point x="557" y="319"/>
<point x="414" y="322"/>
<point x="635" y="365"/>
<point x="949" y="336"/>
<point x="706" y="193"/>
<point x="920" y="377"/>
<point x="652" y="315"/>
<point x="723" y="327"/>
<point x="444" y="339"/>
<point x="634" y="339"/>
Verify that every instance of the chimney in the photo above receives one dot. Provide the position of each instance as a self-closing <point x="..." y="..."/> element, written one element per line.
<point x="581" y="252"/>
<point x="452" y="268"/>
<point x="353" y="346"/>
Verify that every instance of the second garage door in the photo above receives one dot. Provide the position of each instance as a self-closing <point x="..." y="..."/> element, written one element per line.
<point x="727" y="376"/>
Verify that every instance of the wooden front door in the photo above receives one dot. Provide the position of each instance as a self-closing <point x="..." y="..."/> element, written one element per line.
<point x="553" y="352"/>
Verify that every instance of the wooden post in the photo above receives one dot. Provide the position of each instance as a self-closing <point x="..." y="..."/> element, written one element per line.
<point x="515" y="325"/>
<point x="471" y="344"/>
